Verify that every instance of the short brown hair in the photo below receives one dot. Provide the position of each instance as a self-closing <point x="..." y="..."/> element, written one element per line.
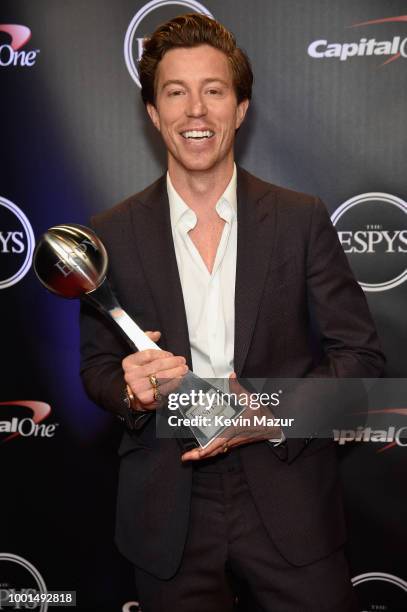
<point x="192" y="30"/>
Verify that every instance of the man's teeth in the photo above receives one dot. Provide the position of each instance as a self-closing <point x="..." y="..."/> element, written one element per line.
<point x="198" y="134"/>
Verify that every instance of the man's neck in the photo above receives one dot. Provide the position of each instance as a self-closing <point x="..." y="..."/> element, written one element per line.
<point x="201" y="190"/>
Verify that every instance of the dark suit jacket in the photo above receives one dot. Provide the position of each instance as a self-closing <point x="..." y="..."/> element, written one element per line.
<point x="289" y="264"/>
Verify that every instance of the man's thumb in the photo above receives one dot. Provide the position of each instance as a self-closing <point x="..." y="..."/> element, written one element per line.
<point x="153" y="335"/>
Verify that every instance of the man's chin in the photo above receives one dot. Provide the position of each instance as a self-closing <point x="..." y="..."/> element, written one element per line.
<point x="197" y="165"/>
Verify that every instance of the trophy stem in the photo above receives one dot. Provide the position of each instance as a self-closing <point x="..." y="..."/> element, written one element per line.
<point x="104" y="299"/>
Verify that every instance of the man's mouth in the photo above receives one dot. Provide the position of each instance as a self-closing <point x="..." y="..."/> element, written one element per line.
<point x="197" y="134"/>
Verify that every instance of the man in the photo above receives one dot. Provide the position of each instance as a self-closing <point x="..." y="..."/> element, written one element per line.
<point x="230" y="270"/>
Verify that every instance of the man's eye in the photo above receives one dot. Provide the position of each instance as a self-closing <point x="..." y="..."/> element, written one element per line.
<point x="175" y="92"/>
<point x="214" y="92"/>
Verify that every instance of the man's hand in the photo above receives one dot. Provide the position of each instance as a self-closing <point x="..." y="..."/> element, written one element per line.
<point x="139" y="366"/>
<point x="237" y="435"/>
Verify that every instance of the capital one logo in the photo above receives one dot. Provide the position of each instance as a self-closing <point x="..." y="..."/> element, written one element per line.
<point x="372" y="228"/>
<point x="391" y="436"/>
<point x="15" y="422"/>
<point x="16" y="244"/>
<point x="146" y="20"/>
<point x="11" y="53"/>
<point x="392" y="49"/>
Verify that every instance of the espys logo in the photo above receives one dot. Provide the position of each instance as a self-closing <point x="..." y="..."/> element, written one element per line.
<point x="16" y="244"/>
<point x="131" y="606"/>
<point x="24" y="418"/>
<point x="372" y="228"/>
<point x="394" y="48"/>
<point x="10" y="54"/>
<point x="19" y="576"/>
<point x="143" y="23"/>
<point x="380" y="591"/>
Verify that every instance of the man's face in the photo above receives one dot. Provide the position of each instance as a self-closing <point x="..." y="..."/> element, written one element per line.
<point x="196" y="108"/>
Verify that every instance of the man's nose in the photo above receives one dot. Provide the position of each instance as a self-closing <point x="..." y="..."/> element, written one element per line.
<point x="196" y="106"/>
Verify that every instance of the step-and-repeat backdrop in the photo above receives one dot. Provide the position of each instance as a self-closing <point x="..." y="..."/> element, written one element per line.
<point x="328" y="117"/>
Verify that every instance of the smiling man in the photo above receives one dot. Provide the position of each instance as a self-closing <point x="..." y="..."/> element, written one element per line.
<point x="198" y="114"/>
<point x="230" y="270"/>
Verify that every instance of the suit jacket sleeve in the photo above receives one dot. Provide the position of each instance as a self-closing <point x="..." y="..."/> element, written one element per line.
<point x="102" y="351"/>
<point x="348" y="339"/>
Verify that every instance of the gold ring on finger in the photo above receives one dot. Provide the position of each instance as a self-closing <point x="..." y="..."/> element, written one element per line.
<point x="153" y="381"/>
<point x="225" y="448"/>
<point x="156" y="394"/>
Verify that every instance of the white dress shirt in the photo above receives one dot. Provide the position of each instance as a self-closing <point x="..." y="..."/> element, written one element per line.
<point x="209" y="298"/>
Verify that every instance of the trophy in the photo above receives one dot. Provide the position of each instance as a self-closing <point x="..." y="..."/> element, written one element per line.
<point x="71" y="261"/>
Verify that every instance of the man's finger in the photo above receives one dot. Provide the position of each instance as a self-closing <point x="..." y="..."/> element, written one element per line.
<point x="144" y="357"/>
<point x="153" y="335"/>
<point x="213" y="449"/>
<point x="170" y="385"/>
<point x="236" y="387"/>
<point x="161" y="368"/>
<point x="140" y="383"/>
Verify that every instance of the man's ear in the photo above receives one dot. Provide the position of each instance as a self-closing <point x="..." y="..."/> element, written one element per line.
<point x="241" y="112"/>
<point x="153" y="113"/>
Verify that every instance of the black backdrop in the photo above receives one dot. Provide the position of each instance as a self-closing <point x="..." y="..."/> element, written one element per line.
<point x="75" y="140"/>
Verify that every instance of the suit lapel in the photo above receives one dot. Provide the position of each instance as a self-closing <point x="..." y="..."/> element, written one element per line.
<point x="152" y="227"/>
<point x="256" y="227"/>
<point x="256" y="216"/>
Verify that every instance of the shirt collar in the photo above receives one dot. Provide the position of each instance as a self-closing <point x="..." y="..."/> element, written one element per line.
<point x="226" y="206"/>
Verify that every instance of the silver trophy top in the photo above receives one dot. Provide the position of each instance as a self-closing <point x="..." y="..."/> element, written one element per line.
<point x="70" y="260"/>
